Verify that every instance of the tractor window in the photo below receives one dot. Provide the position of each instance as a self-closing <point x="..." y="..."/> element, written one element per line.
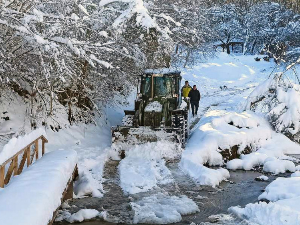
<point x="163" y="87"/>
<point x="146" y="86"/>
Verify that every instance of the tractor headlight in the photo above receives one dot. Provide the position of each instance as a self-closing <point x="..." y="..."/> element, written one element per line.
<point x="175" y="95"/>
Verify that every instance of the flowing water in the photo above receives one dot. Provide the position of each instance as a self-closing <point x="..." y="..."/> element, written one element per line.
<point x="241" y="189"/>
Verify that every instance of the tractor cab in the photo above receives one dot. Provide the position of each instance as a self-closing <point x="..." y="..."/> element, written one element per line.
<point x="161" y="86"/>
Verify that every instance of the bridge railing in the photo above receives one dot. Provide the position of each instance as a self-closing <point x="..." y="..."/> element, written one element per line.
<point x="16" y="162"/>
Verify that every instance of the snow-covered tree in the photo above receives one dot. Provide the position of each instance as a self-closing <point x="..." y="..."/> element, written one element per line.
<point x="265" y="23"/>
<point x="227" y="24"/>
<point x="161" y="28"/>
<point x="62" y="53"/>
<point x="278" y="99"/>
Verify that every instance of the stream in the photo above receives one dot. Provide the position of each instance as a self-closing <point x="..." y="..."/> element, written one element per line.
<point x="240" y="189"/>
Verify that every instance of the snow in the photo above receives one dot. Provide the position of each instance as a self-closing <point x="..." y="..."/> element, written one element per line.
<point x="144" y="166"/>
<point x="92" y="144"/>
<point x="270" y="164"/>
<point x="38" y="14"/>
<point x="162" y="71"/>
<point x="220" y="130"/>
<point x="226" y="124"/>
<point x="101" y="62"/>
<point x="135" y="8"/>
<point x="87" y="185"/>
<point x="279" y="166"/>
<point x="40" y="40"/>
<point x="282" y="188"/>
<point x="81" y="215"/>
<point x="83" y="9"/>
<point x="104" y="34"/>
<point x="169" y="18"/>
<point x="154" y="106"/>
<point x="42" y="185"/>
<point x="262" y="177"/>
<point x="278" y="213"/>
<point x="223" y="125"/>
<point x="235" y="164"/>
<point x="204" y="175"/>
<point x="279" y="101"/>
<point x="183" y="104"/>
<point x="162" y="209"/>
<point x="216" y="132"/>
<point x="16" y="144"/>
<point x="74" y="17"/>
<point x="127" y="120"/>
<point x="269" y="153"/>
<point x="296" y="174"/>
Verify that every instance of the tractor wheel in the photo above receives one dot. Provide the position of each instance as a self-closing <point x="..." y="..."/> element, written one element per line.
<point x="178" y="121"/>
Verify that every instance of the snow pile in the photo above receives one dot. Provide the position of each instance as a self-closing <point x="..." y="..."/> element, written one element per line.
<point x="81" y="215"/>
<point x="278" y="213"/>
<point x="268" y="154"/>
<point x="296" y="174"/>
<point x="279" y="166"/>
<point x="270" y="164"/>
<point x="144" y="166"/>
<point x="86" y="185"/>
<point x="91" y="165"/>
<point x="153" y="106"/>
<point x="42" y="185"/>
<point x="279" y="100"/>
<point x="247" y="162"/>
<point x="162" y="209"/>
<point x="221" y="130"/>
<point x="18" y="143"/>
<point x="262" y="178"/>
<point x="282" y="188"/>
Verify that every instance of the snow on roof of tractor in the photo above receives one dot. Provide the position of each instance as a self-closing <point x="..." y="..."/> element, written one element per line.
<point x="162" y="71"/>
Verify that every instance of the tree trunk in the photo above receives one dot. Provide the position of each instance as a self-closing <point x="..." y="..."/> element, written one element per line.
<point x="70" y="117"/>
<point x="252" y="49"/>
<point x="187" y="58"/>
<point x="228" y="48"/>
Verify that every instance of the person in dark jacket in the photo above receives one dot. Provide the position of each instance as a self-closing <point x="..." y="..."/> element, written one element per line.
<point x="194" y="96"/>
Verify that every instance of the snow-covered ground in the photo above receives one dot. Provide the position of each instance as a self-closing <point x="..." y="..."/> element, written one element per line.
<point x="225" y="83"/>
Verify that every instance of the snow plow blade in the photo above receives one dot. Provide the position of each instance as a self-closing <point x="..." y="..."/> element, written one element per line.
<point x="124" y="138"/>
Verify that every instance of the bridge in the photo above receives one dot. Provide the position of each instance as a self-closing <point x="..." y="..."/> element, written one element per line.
<point x="34" y="183"/>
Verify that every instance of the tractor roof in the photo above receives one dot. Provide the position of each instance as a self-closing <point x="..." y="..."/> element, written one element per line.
<point x="164" y="71"/>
